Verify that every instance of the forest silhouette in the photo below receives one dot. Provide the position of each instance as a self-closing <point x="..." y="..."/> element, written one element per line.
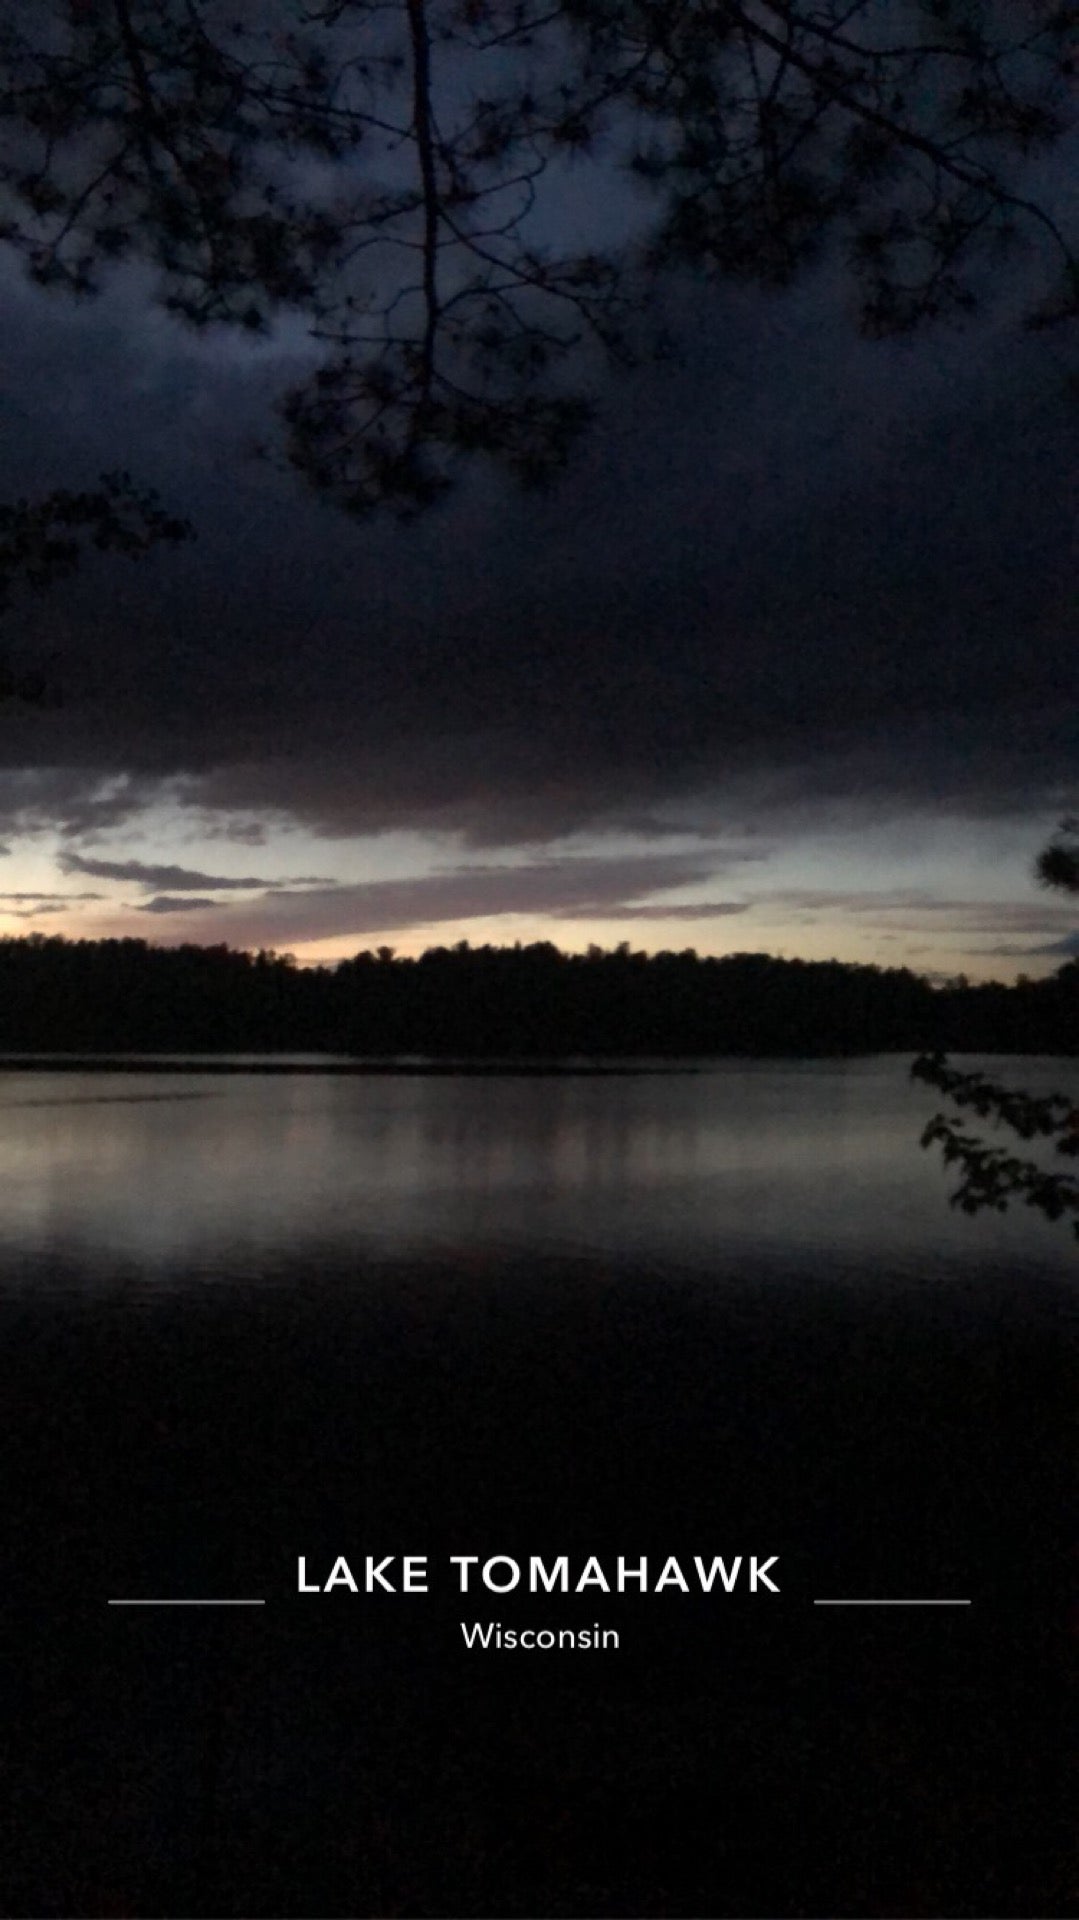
<point x="59" y="995"/>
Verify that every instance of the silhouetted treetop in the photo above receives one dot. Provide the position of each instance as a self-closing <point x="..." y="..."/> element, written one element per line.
<point x="43" y="540"/>
<point x="398" y="171"/>
<point x="1058" y="863"/>
<point x="518" y="1002"/>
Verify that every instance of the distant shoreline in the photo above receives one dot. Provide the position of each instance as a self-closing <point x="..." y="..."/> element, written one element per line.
<point x="263" y="1065"/>
<point x="137" y="1063"/>
<point x="526" y="1011"/>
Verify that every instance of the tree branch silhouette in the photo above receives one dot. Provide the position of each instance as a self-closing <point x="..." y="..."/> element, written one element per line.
<point x="44" y="540"/>
<point x="991" y="1176"/>
<point x="396" y="172"/>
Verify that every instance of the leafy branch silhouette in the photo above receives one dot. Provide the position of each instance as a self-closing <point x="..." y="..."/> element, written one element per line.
<point x="44" y="540"/>
<point x="991" y="1176"/>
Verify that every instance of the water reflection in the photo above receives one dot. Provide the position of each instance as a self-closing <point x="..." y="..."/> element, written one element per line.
<point x="799" y="1161"/>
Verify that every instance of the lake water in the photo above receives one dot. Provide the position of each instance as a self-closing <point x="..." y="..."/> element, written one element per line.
<point x="730" y="1311"/>
<point x="225" y="1179"/>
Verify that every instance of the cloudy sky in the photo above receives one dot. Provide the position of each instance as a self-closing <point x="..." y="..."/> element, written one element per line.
<point x="787" y="663"/>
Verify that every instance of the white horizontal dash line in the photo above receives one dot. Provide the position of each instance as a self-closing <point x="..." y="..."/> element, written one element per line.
<point x="187" y="1603"/>
<point x="891" y="1603"/>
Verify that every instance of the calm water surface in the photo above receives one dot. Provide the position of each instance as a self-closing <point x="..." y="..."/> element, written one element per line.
<point x="811" y="1164"/>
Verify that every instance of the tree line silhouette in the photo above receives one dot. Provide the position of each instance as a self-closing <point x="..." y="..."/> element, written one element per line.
<point x="60" y="995"/>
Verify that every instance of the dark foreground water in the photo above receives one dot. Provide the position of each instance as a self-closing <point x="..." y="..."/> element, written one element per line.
<point x="248" y="1320"/>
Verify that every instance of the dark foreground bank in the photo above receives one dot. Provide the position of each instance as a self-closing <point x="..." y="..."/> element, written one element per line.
<point x="737" y="1755"/>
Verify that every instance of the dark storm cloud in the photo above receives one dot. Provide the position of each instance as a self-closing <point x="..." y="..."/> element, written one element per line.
<point x="173" y="903"/>
<point x="33" y="906"/>
<point x="1065" y="949"/>
<point x="698" y="910"/>
<point x="51" y="899"/>
<point x="245" y="833"/>
<point x="178" y="878"/>
<point x="801" y="571"/>
<point x="915" y="902"/>
<point x="920" y="911"/>
<point x="570" y="889"/>
<point x="79" y="800"/>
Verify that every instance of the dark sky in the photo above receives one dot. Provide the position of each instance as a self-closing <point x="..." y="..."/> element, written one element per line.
<point x="793" y="644"/>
